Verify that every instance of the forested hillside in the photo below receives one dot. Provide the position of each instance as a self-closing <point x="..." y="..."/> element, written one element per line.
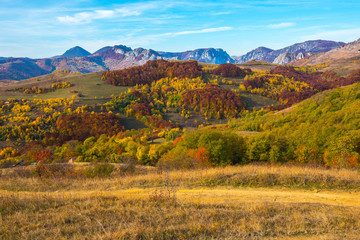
<point x="167" y="97"/>
<point x="324" y="130"/>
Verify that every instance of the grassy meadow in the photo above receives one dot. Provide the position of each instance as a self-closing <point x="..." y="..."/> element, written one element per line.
<point x="92" y="88"/>
<point x="240" y="202"/>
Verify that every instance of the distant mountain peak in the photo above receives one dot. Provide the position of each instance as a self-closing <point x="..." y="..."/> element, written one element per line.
<point x="207" y="55"/>
<point x="76" y="52"/>
<point x="102" y="50"/>
<point x="305" y="48"/>
<point x="343" y="53"/>
<point x="121" y="49"/>
<point x="263" y="49"/>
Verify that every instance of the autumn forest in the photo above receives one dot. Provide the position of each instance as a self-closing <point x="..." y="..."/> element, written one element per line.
<point x="55" y="130"/>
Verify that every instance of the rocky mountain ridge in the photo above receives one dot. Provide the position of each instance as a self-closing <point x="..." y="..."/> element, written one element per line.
<point x="298" y="50"/>
<point x="78" y="59"/>
<point x="346" y="51"/>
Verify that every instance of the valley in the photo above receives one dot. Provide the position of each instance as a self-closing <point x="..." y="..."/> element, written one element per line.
<point x="175" y="149"/>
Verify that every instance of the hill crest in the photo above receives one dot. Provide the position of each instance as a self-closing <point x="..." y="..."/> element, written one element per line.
<point x="76" y="52"/>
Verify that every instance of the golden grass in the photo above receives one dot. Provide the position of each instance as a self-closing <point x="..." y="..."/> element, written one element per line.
<point x="292" y="177"/>
<point x="130" y="215"/>
<point x="193" y="204"/>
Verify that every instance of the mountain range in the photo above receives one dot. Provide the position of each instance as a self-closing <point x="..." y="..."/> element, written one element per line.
<point x="298" y="50"/>
<point x="78" y="59"/>
<point x="343" y="60"/>
<point x="348" y="51"/>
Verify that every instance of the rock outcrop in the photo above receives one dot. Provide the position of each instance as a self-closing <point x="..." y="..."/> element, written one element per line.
<point x="284" y="58"/>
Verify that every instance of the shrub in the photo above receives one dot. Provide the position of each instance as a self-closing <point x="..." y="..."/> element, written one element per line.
<point x="267" y="147"/>
<point x="6" y="163"/>
<point x="224" y="147"/>
<point x="52" y="170"/>
<point x="99" y="170"/>
<point x="156" y="151"/>
<point x="178" y="158"/>
<point x="343" y="151"/>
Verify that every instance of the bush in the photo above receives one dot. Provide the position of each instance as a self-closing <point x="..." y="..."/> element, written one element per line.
<point x="156" y="151"/>
<point x="182" y="158"/>
<point x="6" y="163"/>
<point x="99" y="170"/>
<point x="343" y="151"/>
<point x="268" y="147"/>
<point x="224" y="147"/>
<point x="53" y="170"/>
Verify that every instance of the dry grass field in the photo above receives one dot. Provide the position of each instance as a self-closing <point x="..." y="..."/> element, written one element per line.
<point x="244" y="202"/>
<point x="258" y="65"/>
<point x="93" y="89"/>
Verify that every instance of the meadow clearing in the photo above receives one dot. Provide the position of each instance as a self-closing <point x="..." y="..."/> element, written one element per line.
<point x="238" y="202"/>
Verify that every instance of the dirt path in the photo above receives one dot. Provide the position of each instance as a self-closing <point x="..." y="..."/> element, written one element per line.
<point x="269" y="195"/>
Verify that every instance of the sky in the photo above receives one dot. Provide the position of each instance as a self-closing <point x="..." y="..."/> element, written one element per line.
<point x="39" y="29"/>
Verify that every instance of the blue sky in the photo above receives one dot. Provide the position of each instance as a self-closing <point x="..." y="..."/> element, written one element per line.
<point x="46" y="28"/>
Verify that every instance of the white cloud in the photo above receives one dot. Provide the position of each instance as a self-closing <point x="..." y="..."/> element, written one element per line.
<point x="77" y="18"/>
<point x="86" y="17"/>
<point x="126" y="12"/>
<point x="221" y="13"/>
<point x="206" y="30"/>
<point x="89" y="16"/>
<point x="346" y="35"/>
<point x="281" y="25"/>
<point x="104" y="13"/>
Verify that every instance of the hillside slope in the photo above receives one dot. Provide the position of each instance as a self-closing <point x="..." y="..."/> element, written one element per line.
<point x="323" y="129"/>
